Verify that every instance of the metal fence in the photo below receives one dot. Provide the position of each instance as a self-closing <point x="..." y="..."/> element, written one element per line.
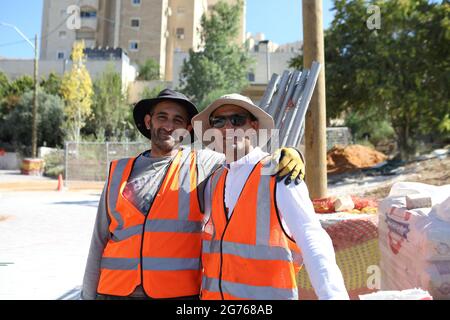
<point x="338" y="135"/>
<point x="89" y="161"/>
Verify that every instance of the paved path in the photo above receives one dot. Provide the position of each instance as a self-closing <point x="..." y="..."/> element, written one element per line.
<point x="44" y="241"/>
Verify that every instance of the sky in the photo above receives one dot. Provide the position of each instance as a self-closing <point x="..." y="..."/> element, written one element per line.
<point x="279" y="20"/>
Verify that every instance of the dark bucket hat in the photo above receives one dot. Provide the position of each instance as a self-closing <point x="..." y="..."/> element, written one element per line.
<point x="142" y="108"/>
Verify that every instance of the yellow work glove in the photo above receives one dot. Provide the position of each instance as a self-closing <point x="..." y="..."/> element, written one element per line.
<point x="290" y="165"/>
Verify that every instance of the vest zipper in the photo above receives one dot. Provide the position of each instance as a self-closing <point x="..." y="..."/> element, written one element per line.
<point x="143" y="227"/>
<point x="221" y="257"/>
<point x="228" y="222"/>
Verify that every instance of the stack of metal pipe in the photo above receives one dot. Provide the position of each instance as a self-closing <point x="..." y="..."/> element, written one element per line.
<point x="287" y="98"/>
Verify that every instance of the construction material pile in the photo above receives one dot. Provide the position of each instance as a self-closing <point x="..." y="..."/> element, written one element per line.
<point x="342" y="159"/>
<point x="409" y="294"/>
<point x="414" y="238"/>
<point x="349" y="204"/>
<point x="355" y="243"/>
<point x="287" y="98"/>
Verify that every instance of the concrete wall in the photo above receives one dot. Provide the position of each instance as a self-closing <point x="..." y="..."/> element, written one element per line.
<point x="15" y="68"/>
<point x="136" y="88"/>
<point x="53" y="23"/>
<point x="150" y="34"/>
<point x="10" y="161"/>
<point x="279" y="61"/>
<point x="111" y="27"/>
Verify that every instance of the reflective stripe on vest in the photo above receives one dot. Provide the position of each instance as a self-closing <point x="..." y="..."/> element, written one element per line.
<point x="248" y="256"/>
<point x="160" y="250"/>
<point x="238" y="290"/>
<point x="156" y="264"/>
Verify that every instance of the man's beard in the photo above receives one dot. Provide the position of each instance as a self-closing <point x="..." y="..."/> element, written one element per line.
<point x="163" y="141"/>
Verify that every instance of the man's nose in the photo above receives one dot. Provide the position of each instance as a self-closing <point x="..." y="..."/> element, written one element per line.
<point x="169" y="126"/>
<point x="228" y="125"/>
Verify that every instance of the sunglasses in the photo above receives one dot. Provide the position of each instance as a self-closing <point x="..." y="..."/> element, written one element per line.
<point x="236" y="120"/>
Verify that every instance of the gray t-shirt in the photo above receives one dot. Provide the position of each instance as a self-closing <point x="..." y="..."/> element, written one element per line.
<point x="145" y="178"/>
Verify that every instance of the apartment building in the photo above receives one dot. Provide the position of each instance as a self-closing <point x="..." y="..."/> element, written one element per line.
<point x="143" y="28"/>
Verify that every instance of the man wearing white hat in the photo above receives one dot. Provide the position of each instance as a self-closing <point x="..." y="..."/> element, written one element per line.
<point x="259" y="232"/>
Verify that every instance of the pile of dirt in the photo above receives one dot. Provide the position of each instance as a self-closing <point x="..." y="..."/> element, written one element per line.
<point x="342" y="159"/>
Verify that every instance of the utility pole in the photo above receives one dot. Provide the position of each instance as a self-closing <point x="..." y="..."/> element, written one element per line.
<point x="315" y="128"/>
<point x="35" y="97"/>
<point x="266" y="42"/>
<point x="35" y="93"/>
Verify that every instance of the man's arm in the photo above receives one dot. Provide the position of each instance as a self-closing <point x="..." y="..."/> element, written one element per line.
<point x="317" y="249"/>
<point x="100" y="237"/>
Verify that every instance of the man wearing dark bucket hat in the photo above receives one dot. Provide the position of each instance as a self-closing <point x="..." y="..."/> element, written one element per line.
<point x="146" y="242"/>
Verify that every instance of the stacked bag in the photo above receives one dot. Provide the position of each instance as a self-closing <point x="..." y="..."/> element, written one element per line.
<point x="414" y="238"/>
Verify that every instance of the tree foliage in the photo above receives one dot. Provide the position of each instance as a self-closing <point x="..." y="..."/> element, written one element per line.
<point x="109" y="109"/>
<point x="149" y="70"/>
<point x="400" y="71"/>
<point x="76" y="89"/>
<point x="221" y="65"/>
<point x="12" y="91"/>
<point x="16" y="127"/>
<point x="52" y="84"/>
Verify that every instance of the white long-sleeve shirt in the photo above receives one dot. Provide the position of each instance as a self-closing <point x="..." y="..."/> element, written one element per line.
<point x="298" y="219"/>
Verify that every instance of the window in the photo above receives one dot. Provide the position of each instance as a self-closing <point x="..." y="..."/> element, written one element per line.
<point x="88" y="13"/>
<point x="180" y="33"/>
<point x="181" y="10"/>
<point x="60" y="55"/>
<point x="135" y="22"/>
<point x="251" y="77"/>
<point x="62" y="34"/>
<point x="134" y="45"/>
<point x="136" y="2"/>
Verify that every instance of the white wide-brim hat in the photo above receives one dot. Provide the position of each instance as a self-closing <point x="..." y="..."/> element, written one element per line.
<point x="264" y="119"/>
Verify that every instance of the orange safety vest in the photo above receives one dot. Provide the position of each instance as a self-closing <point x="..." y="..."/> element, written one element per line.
<point x="161" y="250"/>
<point x="248" y="256"/>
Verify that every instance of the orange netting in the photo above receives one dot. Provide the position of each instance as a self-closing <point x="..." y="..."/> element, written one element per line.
<point x="345" y="159"/>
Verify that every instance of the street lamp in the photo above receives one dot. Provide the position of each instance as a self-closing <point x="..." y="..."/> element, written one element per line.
<point x="266" y="42"/>
<point x="34" y="111"/>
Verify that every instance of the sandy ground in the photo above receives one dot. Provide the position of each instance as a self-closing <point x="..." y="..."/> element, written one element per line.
<point x="434" y="171"/>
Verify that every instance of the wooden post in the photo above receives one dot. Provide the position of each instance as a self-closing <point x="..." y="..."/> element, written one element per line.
<point x="315" y="128"/>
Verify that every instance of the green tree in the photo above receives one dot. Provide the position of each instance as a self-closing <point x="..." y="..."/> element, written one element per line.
<point x="11" y="93"/>
<point x="150" y="93"/>
<point x="52" y="84"/>
<point x="220" y="65"/>
<point x="16" y="128"/>
<point x="400" y="71"/>
<point x="149" y="70"/>
<point x="109" y="109"/>
<point x="4" y="84"/>
<point x="20" y="86"/>
<point x="76" y="89"/>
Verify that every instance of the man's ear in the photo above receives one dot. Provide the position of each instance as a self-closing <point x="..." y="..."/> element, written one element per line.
<point x="147" y="121"/>
<point x="189" y="127"/>
<point x="254" y="124"/>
